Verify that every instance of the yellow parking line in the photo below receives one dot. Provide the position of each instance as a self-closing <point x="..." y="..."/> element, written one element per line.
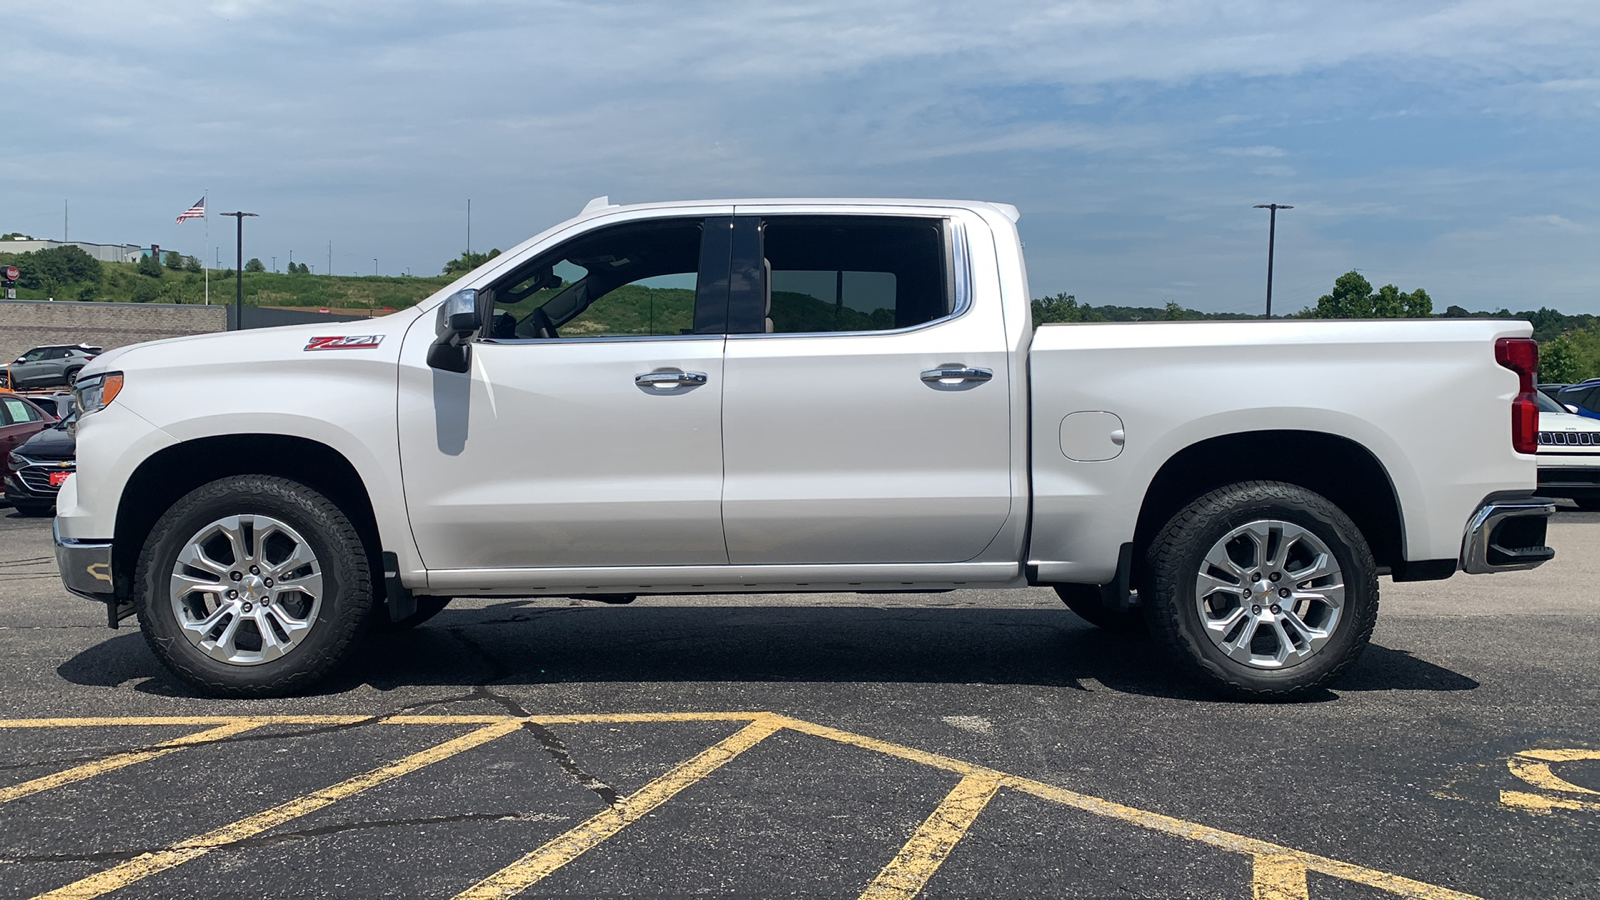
<point x="151" y="863"/>
<point x="931" y="844"/>
<point x="123" y="760"/>
<point x="107" y="721"/>
<point x="1279" y="877"/>
<point x="530" y="869"/>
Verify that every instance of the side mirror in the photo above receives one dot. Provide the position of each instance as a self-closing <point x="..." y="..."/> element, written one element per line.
<point x="459" y="320"/>
<point x="1571" y="408"/>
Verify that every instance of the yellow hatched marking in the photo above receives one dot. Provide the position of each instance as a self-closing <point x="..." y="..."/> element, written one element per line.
<point x="530" y="869"/>
<point x="1279" y="877"/>
<point x="1192" y="831"/>
<point x="151" y="863"/>
<point x="564" y="849"/>
<point x="123" y="760"/>
<point x="930" y="845"/>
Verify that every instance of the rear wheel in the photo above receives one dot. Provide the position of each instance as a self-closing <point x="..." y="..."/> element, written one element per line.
<point x="1086" y="601"/>
<point x="1264" y="589"/>
<point x="72" y="376"/>
<point x="252" y="586"/>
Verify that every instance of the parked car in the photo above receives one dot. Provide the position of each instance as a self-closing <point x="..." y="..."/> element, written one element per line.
<point x="794" y="395"/>
<point x="1569" y="454"/>
<point x="38" y="467"/>
<point x="1583" y="397"/>
<point x="59" y="404"/>
<point x="19" y="420"/>
<point x="50" y="366"/>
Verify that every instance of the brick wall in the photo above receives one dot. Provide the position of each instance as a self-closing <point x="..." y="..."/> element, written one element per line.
<point x="27" y="324"/>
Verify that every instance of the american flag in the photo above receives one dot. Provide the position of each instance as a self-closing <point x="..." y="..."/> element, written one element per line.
<point x="197" y="211"/>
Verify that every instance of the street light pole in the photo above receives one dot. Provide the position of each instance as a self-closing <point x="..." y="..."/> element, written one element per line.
<point x="1272" y="239"/>
<point x="238" y="272"/>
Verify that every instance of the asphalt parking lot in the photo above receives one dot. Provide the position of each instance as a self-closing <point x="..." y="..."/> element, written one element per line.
<point x="956" y="745"/>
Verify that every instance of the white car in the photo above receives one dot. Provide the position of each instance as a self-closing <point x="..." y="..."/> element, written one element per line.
<point x="1569" y="454"/>
<point x="793" y="395"/>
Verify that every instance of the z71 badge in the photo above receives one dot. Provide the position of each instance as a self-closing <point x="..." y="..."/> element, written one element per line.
<point x="350" y="342"/>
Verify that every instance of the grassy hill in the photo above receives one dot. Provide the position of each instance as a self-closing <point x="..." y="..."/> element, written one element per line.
<point x="122" y="283"/>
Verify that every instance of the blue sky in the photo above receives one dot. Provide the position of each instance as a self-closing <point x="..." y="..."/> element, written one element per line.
<point x="1444" y="145"/>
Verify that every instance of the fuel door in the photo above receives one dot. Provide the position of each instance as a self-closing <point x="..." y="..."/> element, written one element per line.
<point x="1093" y="436"/>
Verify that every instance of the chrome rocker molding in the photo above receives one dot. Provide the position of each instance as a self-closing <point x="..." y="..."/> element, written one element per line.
<point x="1507" y="534"/>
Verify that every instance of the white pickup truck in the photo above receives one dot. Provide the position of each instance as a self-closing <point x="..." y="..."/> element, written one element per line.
<point x="792" y="396"/>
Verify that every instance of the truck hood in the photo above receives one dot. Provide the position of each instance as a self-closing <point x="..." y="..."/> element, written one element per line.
<point x="282" y="341"/>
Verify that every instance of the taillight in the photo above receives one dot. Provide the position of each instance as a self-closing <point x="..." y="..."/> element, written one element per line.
<point x="1521" y="355"/>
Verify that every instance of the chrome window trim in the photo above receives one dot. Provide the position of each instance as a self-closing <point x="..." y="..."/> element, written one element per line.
<point x="961" y="268"/>
<point x="605" y="339"/>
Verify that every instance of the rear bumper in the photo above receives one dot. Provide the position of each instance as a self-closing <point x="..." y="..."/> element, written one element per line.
<point x="1507" y="534"/>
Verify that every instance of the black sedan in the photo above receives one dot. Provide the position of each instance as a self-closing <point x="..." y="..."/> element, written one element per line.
<point x="38" y="467"/>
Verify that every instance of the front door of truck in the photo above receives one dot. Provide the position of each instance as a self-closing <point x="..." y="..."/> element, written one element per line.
<point x="867" y="417"/>
<point x="587" y="431"/>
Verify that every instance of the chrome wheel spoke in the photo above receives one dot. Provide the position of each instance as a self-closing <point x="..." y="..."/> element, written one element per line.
<point x="1208" y="584"/>
<point x="299" y="558"/>
<point x="1239" y="647"/>
<point x="1332" y="595"/>
<point x="204" y="625"/>
<point x="1219" y="558"/>
<point x="1222" y="626"/>
<point x="1322" y="566"/>
<point x="185" y="584"/>
<point x="194" y="556"/>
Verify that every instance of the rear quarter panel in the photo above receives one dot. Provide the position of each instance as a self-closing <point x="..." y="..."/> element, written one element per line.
<point x="1426" y="398"/>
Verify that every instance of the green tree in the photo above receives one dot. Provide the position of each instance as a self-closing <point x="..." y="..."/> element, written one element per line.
<point x="466" y="262"/>
<point x="58" y="268"/>
<point x="149" y="265"/>
<point x="254" y="265"/>
<point x="1354" y="298"/>
<point x="144" y="291"/>
<point x="173" y="260"/>
<point x="1062" y="308"/>
<point x="15" y="236"/>
<point x="1175" y="313"/>
<point x="190" y="264"/>
<point x="1558" y="361"/>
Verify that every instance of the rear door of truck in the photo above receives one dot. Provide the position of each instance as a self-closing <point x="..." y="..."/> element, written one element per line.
<point x="866" y="411"/>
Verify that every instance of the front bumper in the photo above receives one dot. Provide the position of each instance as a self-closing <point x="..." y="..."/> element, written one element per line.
<point x="86" y="571"/>
<point x="1507" y="534"/>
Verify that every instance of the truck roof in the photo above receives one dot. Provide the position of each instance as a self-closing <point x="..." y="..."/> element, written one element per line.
<point x="603" y="204"/>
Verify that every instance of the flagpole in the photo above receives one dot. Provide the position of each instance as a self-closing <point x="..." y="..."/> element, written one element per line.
<point x="207" y="206"/>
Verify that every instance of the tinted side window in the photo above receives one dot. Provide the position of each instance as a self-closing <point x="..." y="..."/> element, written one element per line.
<point x="854" y="273"/>
<point x="628" y="280"/>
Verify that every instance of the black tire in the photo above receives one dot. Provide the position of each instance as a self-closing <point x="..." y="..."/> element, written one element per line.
<point x="35" y="509"/>
<point x="1173" y="564"/>
<point x="346" y="597"/>
<point x="1084" y="600"/>
<point x="427" y="608"/>
<point x="71" y="376"/>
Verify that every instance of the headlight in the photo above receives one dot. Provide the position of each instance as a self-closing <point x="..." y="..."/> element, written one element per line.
<point x="97" y="391"/>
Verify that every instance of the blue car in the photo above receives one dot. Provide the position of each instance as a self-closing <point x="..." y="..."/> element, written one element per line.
<point x="1584" y="397"/>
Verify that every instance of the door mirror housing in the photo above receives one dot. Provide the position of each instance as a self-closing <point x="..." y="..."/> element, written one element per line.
<point x="459" y="319"/>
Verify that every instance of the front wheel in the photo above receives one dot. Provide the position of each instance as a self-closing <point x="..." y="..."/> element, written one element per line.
<point x="1265" y="589"/>
<point x="252" y="586"/>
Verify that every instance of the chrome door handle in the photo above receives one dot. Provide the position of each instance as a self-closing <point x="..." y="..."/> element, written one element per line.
<point x="953" y="375"/>
<point x="670" y="379"/>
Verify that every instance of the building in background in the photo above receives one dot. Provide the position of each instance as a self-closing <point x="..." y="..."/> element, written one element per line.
<point x="122" y="253"/>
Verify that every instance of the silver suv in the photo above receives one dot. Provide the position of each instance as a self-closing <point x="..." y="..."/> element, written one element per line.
<point x="49" y="366"/>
